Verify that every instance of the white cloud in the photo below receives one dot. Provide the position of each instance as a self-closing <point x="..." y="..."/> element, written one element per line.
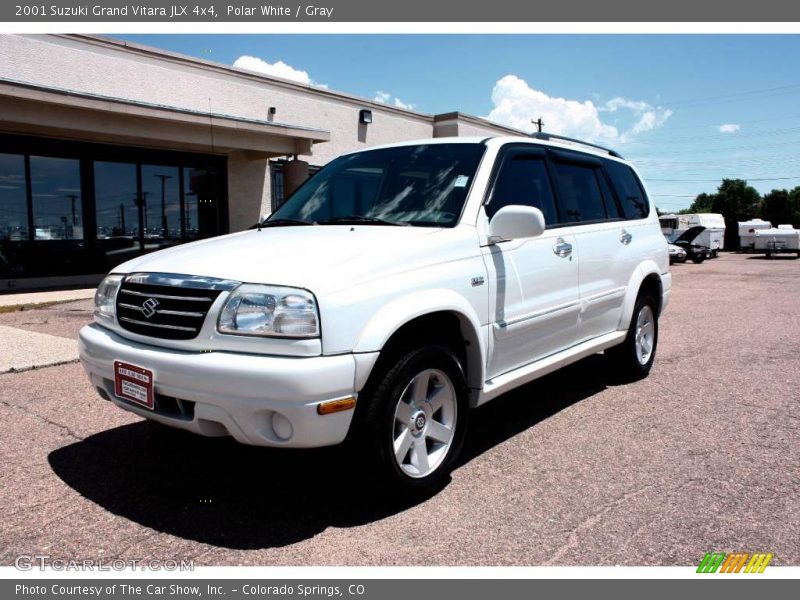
<point x="729" y="128"/>
<point x="400" y="104"/>
<point x="516" y="103"/>
<point x="386" y="97"/>
<point x="276" y="69"/>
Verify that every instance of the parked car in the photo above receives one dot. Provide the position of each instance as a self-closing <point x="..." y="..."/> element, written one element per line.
<point x="697" y="253"/>
<point x="395" y="290"/>
<point x="676" y="254"/>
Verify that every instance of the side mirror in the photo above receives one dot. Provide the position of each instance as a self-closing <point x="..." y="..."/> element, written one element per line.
<point x="516" y="221"/>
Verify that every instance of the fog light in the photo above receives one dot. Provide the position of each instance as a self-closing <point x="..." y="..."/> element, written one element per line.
<point x="281" y="426"/>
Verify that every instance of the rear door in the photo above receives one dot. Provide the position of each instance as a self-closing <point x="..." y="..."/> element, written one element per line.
<point x="603" y="238"/>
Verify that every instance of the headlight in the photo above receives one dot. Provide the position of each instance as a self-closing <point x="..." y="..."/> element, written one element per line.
<point x="270" y="311"/>
<point x="106" y="296"/>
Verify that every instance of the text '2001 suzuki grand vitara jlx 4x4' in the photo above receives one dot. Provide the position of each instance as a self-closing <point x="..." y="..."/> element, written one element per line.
<point x="392" y="292"/>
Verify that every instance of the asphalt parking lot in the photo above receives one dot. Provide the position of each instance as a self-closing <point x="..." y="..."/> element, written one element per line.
<point x="571" y="470"/>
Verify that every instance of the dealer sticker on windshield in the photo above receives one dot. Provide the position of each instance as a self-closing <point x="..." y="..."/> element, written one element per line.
<point x="134" y="384"/>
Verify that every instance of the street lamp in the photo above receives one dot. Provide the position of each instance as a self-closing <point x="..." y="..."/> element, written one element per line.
<point x="163" y="179"/>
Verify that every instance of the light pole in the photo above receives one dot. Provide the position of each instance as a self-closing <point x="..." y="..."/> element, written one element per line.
<point x="73" y="197"/>
<point x="163" y="179"/>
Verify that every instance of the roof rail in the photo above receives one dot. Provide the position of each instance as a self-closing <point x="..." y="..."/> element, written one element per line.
<point x="541" y="135"/>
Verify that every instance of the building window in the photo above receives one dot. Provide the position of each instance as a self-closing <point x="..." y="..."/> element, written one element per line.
<point x="70" y="208"/>
<point x="13" y="198"/>
<point x="202" y="202"/>
<point x="56" y="198"/>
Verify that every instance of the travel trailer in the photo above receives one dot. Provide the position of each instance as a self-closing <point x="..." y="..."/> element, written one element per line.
<point x="778" y="241"/>
<point x="713" y="236"/>
<point x="747" y="230"/>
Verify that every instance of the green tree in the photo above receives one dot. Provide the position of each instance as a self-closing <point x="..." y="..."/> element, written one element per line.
<point x="701" y="204"/>
<point x="776" y="207"/>
<point x="736" y="201"/>
<point x="794" y="207"/>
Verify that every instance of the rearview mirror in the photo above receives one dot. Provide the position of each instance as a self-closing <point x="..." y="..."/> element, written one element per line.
<point x="516" y="221"/>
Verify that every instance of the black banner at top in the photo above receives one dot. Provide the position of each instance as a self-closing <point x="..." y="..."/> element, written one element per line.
<point x="276" y="11"/>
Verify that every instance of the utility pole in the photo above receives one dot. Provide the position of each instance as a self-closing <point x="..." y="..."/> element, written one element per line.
<point x="163" y="179"/>
<point x="73" y="197"/>
<point x="539" y="124"/>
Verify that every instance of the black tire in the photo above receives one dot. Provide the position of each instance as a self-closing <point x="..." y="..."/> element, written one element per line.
<point x="378" y="427"/>
<point x="696" y="259"/>
<point x="769" y="254"/>
<point x="625" y="358"/>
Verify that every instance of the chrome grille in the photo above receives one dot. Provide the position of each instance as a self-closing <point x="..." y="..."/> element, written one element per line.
<point x="167" y="306"/>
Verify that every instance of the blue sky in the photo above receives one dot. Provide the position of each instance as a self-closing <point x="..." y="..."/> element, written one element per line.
<point x="684" y="108"/>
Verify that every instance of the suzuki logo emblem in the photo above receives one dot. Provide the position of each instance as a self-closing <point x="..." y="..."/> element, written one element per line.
<point x="149" y="307"/>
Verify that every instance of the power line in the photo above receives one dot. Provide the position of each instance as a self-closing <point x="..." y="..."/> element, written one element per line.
<point x="720" y="179"/>
<point x="734" y="95"/>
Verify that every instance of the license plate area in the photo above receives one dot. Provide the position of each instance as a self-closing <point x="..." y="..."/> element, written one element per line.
<point x="134" y="384"/>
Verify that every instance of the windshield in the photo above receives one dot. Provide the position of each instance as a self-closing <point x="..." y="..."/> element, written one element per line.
<point x="423" y="185"/>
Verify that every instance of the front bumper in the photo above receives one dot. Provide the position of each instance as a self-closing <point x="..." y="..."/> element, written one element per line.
<point x="224" y="393"/>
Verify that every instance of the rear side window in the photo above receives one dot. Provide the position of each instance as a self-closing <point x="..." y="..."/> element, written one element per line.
<point x="629" y="190"/>
<point x="580" y="197"/>
<point x="523" y="179"/>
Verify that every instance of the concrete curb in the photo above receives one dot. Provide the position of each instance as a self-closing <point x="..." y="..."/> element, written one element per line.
<point x="26" y="301"/>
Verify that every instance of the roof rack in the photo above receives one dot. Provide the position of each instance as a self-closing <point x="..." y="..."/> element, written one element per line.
<point x="541" y="135"/>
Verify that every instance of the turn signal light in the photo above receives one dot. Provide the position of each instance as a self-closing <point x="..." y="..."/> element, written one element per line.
<point x="334" y="406"/>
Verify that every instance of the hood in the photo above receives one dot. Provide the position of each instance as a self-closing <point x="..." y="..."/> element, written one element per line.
<point x="690" y="234"/>
<point x="316" y="257"/>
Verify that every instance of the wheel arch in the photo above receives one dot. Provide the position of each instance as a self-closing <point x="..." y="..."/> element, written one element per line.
<point x="438" y="315"/>
<point x="646" y="277"/>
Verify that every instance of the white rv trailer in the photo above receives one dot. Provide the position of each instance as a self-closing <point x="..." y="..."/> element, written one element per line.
<point x="713" y="236"/>
<point x="747" y="230"/>
<point x="778" y="241"/>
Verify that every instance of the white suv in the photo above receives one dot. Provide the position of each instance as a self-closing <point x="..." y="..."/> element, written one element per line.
<point x="398" y="288"/>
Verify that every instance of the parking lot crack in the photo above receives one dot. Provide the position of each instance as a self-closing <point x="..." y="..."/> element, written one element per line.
<point x="573" y="537"/>
<point x="43" y="419"/>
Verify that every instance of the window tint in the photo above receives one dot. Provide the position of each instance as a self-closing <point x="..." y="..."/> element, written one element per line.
<point x="523" y="180"/>
<point x="612" y="206"/>
<point x="629" y="190"/>
<point x="580" y="198"/>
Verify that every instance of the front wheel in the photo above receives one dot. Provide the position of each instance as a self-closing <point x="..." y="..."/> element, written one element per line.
<point x="697" y="259"/>
<point x="417" y="417"/>
<point x="634" y="358"/>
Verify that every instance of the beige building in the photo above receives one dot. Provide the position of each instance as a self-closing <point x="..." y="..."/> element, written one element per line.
<point x="109" y="149"/>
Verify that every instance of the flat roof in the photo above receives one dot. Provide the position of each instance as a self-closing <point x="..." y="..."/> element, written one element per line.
<point x="141" y="49"/>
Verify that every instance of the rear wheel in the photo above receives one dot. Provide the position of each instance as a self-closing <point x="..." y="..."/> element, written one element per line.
<point x="634" y="358"/>
<point x="416" y="420"/>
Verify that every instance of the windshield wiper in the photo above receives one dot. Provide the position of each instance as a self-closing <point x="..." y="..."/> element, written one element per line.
<point x="359" y="219"/>
<point x="284" y="223"/>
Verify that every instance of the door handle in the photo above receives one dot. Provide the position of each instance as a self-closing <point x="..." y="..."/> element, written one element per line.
<point x="625" y="237"/>
<point x="562" y="248"/>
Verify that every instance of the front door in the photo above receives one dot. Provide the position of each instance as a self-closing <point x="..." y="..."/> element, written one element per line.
<point x="534" y="301"/>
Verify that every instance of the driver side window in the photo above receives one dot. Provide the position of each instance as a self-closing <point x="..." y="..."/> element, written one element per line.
<point x="523" y="179"/>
